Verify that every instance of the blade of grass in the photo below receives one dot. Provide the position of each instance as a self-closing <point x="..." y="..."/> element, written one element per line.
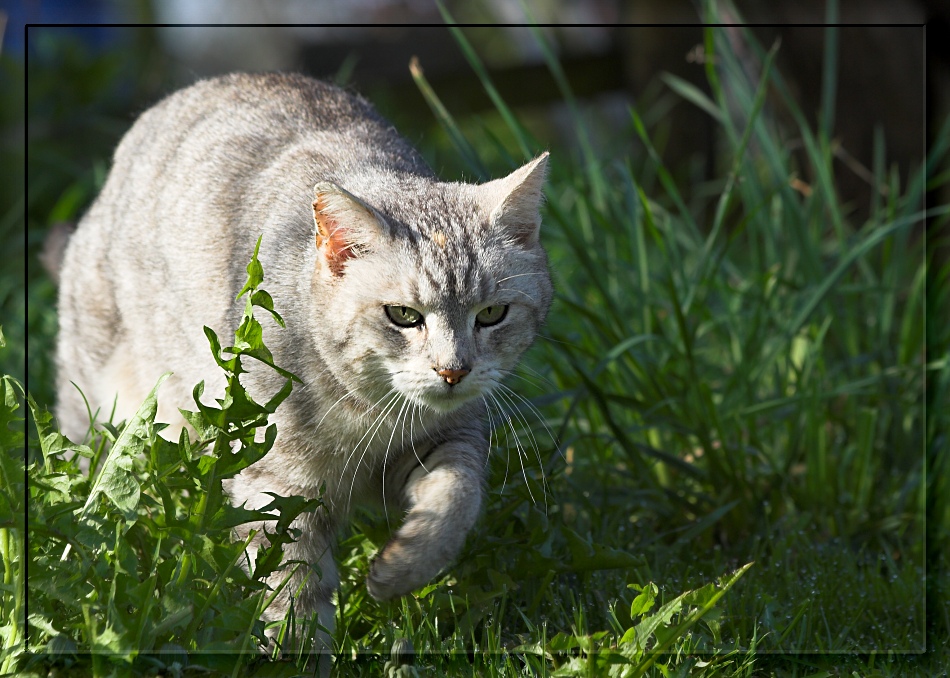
<point x="693" y="94"/>
<point x="447" y="121"/>
<point x="829" y="69"/>
<point x="640" y="254"/>
<point x="666" y="179"/>
<point x="593" y="166"/>
<point x="850" y="256"/>
<point x="476" y="63"/>
<point x="699" y="278"/>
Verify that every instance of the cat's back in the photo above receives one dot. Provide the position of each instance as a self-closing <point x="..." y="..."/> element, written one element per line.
<point x="250" y="120"/>
<point x="222" y="161"/>
<point x="193" y="184"/>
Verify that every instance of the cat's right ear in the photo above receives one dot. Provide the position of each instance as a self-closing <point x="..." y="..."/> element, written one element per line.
<point x="346" y="226"/>
<point x="515" y="201"/>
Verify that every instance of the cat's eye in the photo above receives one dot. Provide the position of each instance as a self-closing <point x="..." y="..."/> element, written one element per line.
<point x="491" y="315"/>
<point x="404" y="316"/>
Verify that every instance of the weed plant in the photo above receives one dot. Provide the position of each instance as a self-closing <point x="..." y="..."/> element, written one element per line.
<point x="713" y="463"/>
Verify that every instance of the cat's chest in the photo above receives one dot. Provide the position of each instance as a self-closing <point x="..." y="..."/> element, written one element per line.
<point x="339" y="440"/>
<point x="347" y="455"/>
<point x="388" y="429"/>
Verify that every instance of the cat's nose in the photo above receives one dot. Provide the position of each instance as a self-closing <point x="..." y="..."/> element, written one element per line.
<point x="452" y="377"/>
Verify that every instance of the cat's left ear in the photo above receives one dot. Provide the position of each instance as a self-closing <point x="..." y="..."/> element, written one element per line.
<point x="515" y="201"/>
<point x="346" y="226"/>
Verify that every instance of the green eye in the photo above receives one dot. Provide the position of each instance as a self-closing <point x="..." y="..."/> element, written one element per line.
<point x="491" y="315"/>
<point x="404" y="316"/>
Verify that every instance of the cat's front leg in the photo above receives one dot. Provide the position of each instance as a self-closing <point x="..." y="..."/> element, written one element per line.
<point x="444" y="498"/>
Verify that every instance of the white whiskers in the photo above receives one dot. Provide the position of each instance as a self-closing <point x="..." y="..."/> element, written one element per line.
<point x="373" y="429"/>
<point x="517" y="275"/>
<point x="503" y="401"/>
<point x="348" y="394"/>
<point x="399" y="417"/>
<point x="535" y="411"/>
<point x="412" y="435"/>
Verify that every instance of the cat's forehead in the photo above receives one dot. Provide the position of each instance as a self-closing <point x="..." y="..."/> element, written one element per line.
<point x="446" y="268"/>
<point x="443" y="250"/>
<point x="451" y="274"/>
<point x="439" y="212"/>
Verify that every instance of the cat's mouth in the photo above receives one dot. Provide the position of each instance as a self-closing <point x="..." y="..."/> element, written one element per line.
<point x="445" y="397"/>
<point x="438" y="394"/>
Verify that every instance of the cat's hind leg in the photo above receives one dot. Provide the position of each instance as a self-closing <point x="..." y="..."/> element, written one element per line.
<point x="306" y="582"/>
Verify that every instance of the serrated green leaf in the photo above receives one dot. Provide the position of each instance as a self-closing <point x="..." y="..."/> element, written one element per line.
<point x="263" y="299"/>
<point x="12" y="513"/>
<point x="122" y="587"/>
<point x="229" y="463"/>
<point x="56" y="487"/>
<point x="574" y="666"/>
<point x="213" y="417"/>
<point x="270" y="557"/>
<point x="42" y="623"/>
<point x="710" y="596"/>
<point x="52" y="442"/>
<point x="204" y="429"/>
<point x="289" y="508"/>
<point x="227" y="516"/>
<point x="562" y="642"/>
<point x="175" y="615"/>
<point x="280" y="396"/>
<point x="109" y="641"/>
<point x="249" y="340"/>
<point x="11" y="439"/>
<point x="231" y="365"/>
<point x="116" y="480"/>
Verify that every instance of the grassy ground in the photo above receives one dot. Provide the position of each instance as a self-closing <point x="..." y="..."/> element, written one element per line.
<point x="732" y="375"/>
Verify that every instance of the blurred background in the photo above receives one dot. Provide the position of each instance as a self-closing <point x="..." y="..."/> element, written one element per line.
<point x="881" y="69"/>
<point x="88" y="78"/>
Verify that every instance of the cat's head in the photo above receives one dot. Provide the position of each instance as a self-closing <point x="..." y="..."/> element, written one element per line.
<point x="429" y="290"/>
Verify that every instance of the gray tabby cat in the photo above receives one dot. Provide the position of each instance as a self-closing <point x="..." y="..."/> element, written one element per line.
<point x="406" y="299"/>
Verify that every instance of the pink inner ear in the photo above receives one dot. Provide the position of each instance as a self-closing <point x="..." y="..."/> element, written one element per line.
<point x="331" y="238"/>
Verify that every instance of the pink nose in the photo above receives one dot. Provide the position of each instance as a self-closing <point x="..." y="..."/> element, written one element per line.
<point x="452" y="377"/>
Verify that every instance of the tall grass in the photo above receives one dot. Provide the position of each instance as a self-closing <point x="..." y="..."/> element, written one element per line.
<point x="748" y="386"/>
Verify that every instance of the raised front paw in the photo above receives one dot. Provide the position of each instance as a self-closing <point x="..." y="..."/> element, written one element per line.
<point x="400" y="568"/>
<point x="445" y="499"/>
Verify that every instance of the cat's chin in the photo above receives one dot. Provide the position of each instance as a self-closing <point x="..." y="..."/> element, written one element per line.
<point x="443" y="402"/>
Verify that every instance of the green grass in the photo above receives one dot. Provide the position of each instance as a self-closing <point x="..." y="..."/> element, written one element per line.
<point x="733" y="373"/>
